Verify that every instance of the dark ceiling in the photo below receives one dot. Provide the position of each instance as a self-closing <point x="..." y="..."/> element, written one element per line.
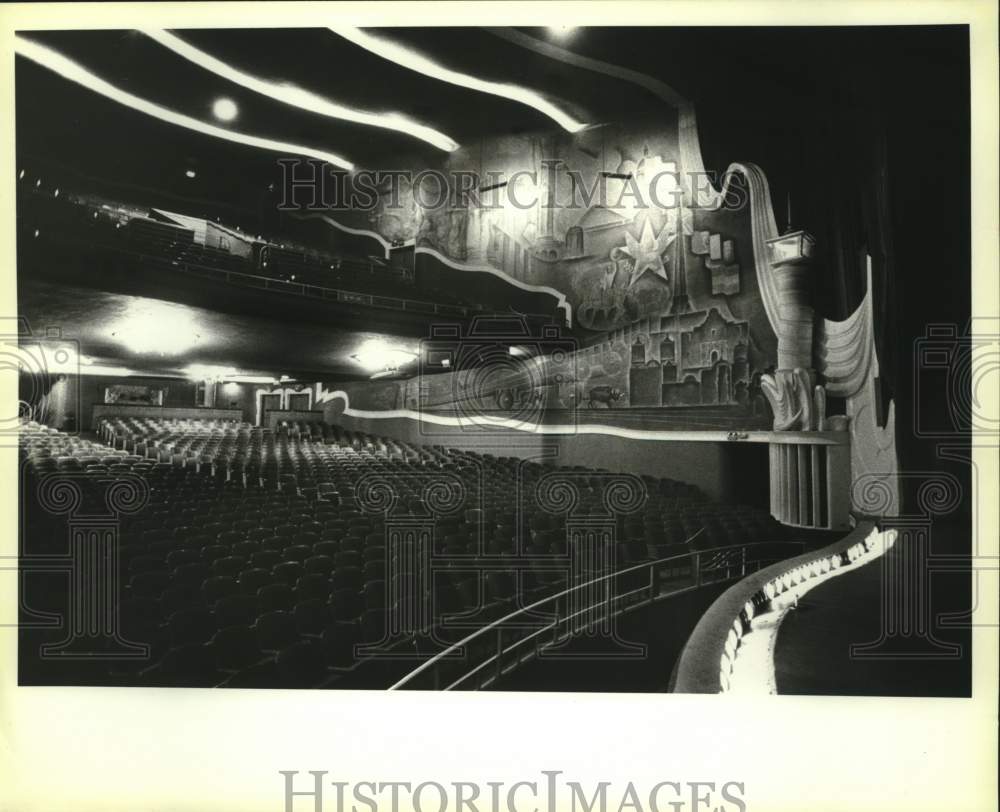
<point x="800" y="102"/>
<point x="158" y="337"/>
<point x="743" y="82"/>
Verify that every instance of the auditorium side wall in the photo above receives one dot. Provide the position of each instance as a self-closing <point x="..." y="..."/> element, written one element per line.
<point x="723" y="472"/>
<point x="71" y="398"/>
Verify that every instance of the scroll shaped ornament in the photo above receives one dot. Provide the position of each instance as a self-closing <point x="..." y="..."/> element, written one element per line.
<point x="569" y="493"/>
<point x="375" y="493"/>
<point x="558" y="492"/>
<point x="60" y="494"/>
<point x="444" y="493"/>
<point x="624" y="493"/>
<point x="127" y="494"/>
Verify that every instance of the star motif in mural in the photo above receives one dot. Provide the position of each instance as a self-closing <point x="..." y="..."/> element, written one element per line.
<point x="647" y="252"/>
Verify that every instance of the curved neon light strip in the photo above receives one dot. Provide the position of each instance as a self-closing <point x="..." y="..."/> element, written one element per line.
<point x="416" y="62"/>
<point x="690" y="146"/>
<point x="360" y="232"/>
<point x="297" y="97"/>
<point x="68" y="69"/>
<point x="561" y="302"/>
<point x="708" y="436"/>
<point x="842" y="371"/>
<point x="654" y="86"/>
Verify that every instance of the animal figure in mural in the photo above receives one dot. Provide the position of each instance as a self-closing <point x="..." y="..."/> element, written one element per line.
<point x="607" y="395"/>
<point x="608" y="308"/>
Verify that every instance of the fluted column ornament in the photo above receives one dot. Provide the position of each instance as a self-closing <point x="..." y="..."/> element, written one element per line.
<point x="790" y="390"/>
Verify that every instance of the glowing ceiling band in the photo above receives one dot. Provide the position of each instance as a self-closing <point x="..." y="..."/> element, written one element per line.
<point x="70" y="70"/>
<point x="297" y="97"/>
<point x="416" y="62"/>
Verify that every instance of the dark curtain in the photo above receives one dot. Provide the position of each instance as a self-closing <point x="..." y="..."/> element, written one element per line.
<point x="848" y="208"/>
<point x="867" y="131"/>
<point x="815" y="109"/>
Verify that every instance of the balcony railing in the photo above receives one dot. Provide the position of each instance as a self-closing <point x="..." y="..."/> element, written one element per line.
<point x="707" y="660"/>
<point x="221" y="265"/>
<point x="520" y="636"/>
<point x="308" y="290"/>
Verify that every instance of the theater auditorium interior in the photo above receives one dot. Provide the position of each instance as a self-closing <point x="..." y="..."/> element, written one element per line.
<point x="702" y="430"/>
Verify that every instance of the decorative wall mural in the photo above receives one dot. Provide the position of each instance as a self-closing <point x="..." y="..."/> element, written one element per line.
<point x="609" y="217"/>
<point x="135" y="394"/>
<point x="662" y="276"/>
<point x="699" y="361"/>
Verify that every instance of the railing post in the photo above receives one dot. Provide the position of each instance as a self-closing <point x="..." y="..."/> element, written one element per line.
<point x="697" y="569"/>
<point x="743" y="561"/>
<point x="499" y="669"/>
<point x="654" y="587"/>
<point x="555" y="625"/>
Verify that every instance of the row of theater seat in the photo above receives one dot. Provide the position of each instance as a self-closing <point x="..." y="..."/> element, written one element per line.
<point x="267" y="580"/>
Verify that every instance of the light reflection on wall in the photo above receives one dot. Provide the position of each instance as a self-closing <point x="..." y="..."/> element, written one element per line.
<point x="377" y="355"/>
<point x="151" y="327"/>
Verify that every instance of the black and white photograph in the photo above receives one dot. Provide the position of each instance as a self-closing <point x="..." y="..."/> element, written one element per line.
<point x="631" y="359"/>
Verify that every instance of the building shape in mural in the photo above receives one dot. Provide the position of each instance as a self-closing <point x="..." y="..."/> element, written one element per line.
<point x="695" y="358"/>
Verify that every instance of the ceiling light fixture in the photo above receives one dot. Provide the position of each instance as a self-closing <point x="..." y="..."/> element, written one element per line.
<point x="375" y="355"/>
<point x="225" y="109"/>
<point x="68" y="69"/>
<point x="303" y="99"/>
<point x="149" y="327"/>
<point x="410" y="59"/>
<point x="190" y="173"/>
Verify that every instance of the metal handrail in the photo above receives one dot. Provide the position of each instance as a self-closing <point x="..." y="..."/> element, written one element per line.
<point x="495" y="627"/>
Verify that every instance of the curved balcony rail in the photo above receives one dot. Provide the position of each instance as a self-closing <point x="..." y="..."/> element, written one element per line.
<point x="483" y="657"/>
<point x="707" y="659"/>
<point x="157" y="251"/>
<point x="312" y="291"/>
